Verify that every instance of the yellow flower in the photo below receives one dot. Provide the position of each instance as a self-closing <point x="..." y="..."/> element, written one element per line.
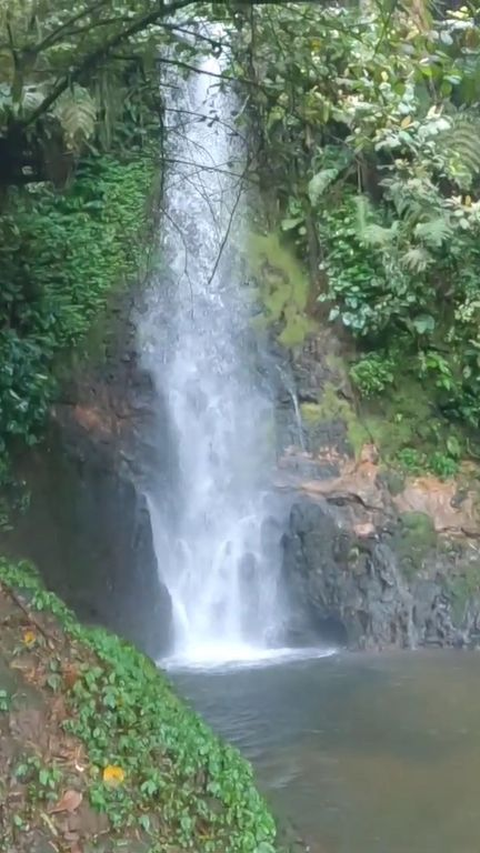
<point x="29" y="638"/>
<point x="113" y="775"/>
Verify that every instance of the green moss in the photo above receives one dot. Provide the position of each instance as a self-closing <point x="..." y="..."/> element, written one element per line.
<point x="408" y="433"/>
<point x="283" y="287"/>
<point x="333" y="408"/>
<point x="462" y="588"/>
<point x="311" y="413"/>
<point x="414" y="540"/>
<point x="178" y="776"/>
<point x="393" y="480"/>
<point x="395" y="423"/>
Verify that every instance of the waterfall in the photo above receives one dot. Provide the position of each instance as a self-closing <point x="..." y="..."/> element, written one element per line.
<point x="218" y="550"/>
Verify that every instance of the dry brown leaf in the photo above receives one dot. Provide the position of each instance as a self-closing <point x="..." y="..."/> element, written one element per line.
<point x="68" y="803"/>
<point x="70" y="675"/>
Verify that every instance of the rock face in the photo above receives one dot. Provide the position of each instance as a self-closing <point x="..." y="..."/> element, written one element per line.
<point x="371" y="559"/>
<point x="88" y="527"/>
<point x="348" y="589"/>
<point x="363" y="571"/>
<point x="387" y="588"/>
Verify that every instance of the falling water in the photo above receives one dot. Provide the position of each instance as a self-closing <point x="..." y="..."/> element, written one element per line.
<point x="218" y="551"/>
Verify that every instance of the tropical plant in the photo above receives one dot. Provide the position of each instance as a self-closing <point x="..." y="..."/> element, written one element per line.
<point x="369" y="123"/>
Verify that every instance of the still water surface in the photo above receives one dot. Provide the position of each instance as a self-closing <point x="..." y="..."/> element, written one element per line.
<point x="366" y="754"/>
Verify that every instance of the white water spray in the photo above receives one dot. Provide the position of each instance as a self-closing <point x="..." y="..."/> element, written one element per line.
<point x="215" y="548"/>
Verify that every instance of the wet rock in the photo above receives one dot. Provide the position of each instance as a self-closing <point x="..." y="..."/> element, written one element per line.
<point x="374" y="585"/>
<point x="88" y="526"/>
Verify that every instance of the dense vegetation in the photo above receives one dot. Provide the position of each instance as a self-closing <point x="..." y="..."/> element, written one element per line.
<point x="81" y="151"/>
<point x="118" y="739"/>
<point x="369" y="123"/>
<point x="80" y="143"/>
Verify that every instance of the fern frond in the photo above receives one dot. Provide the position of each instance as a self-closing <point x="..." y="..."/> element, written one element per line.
<point x="460" y="148"/>
<point x="407" y="199"/>
<point x="369" y="232"/>
<point x="77" y="113"/>
<point x="416" y="259"/>
<point x="377" y="235"/>
<point x="434" y="232"/>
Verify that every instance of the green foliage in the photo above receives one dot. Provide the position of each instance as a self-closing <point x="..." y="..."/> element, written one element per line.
<point x="61" y="255"/>
<point x="414" y="540"/>
<point x="372" y="374"/>
<point x="71" y="78"/>
<point x="370" y="133"/>
<point x="178" y="783"/>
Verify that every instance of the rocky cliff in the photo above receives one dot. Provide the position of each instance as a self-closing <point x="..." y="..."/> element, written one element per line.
<point x="371" y="558"/>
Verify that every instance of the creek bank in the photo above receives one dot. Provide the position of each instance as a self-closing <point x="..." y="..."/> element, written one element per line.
<point x="98" y="754"/>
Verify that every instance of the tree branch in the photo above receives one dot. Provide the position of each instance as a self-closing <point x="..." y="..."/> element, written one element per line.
<point x="52" y="37"/>
<point x="91" y="60"/>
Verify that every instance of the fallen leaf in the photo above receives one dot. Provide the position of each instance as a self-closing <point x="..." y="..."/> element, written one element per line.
<point x="70" y="675"/>
<point x="113" y="775"/>
<point x="68" y="803"/>
<point x="29" y="638"/>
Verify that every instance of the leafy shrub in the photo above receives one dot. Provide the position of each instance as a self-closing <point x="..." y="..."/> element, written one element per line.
<point x="443" y="465"/>
<point x="61" y="255"/>
<point x="372" y="374"/>
<point x="153" y="765"/>
<point x="411" y="460"/>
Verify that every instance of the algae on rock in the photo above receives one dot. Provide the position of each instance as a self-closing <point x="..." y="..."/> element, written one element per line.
<point x="332" y="408"/>
<point x="282" y="288"/>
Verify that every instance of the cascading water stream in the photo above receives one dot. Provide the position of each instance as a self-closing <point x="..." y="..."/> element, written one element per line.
<point x="218" y="551"/>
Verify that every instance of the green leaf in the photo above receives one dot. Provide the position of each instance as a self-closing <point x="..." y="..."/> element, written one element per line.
<point x="290" y="224"/>
<point x="434" y="232"/>
<point x="319" y="183"/>
<point x="454" y="447"/>
<point x="424" y="323"/>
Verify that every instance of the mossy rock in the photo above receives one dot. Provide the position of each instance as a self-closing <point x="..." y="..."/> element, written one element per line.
<point x="393" y="480"/>
<point x="408" y="433"/>
<point x="333" y="409"/>
<point x="282" y="288"/>
<point x="401" y="419"/>
<point x="461" y="588"/>
<point x="414" y="539"/>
